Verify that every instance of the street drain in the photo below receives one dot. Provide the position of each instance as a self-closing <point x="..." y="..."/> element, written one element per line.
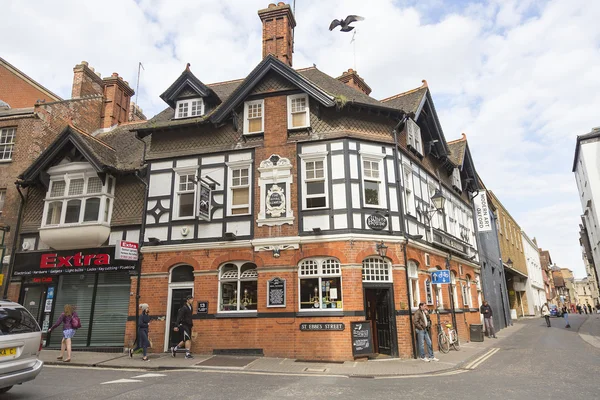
<point x="315" y="369"/>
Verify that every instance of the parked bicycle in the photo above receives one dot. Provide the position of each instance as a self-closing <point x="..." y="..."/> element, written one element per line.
<point x="445" y="340"/>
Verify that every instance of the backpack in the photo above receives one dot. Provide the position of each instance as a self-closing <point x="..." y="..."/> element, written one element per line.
<point x="75" y="322"/>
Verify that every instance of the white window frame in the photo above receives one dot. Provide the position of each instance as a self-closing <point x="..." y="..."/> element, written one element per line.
<point x="262" y="116"/>
<point x="176" y="192"/>
<point x="454" y="290"/>
<point x="319" y="274"/>
<point x="408" y="189"/>
<point x="413" y="287"/>
<point x="234" y="165"/>
<point x="306" y="111"/>
<point x="189" y="103"/>
<point x="2" y="199"/>
<point x="239" y="279"/>
<point x="381" y="197"/>
<point x="381" y="267"/>
<point x="428" y="292"/>
<point x="314" y="157"/>
<point x="413" y="136"/>
<point x="7" y="147"/>
<point x="68" y="173"/>
<point x="456" y="181"/>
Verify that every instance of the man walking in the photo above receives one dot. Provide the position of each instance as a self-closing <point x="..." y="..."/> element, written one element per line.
<point x="565" y="311"/>
<point x="184" y="325"/>
<point x="422" y="322"/>
<point x="546" y="314"/>
<point x="486" y="310"/>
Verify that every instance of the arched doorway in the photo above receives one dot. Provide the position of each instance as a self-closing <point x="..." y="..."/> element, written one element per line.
<point x="181" y="285"/>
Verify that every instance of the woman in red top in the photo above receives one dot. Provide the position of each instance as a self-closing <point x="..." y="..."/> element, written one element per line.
<point x="66" y="318"/>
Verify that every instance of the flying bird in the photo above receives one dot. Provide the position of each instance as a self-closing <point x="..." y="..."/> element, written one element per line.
<point x="345" y="23"/>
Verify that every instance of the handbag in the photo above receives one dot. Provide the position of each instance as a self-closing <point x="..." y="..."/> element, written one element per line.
<point x="75" y="322"/>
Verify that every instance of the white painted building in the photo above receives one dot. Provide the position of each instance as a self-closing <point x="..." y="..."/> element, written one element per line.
<point x="536" y="293"/>
<point x="587" y="177"/>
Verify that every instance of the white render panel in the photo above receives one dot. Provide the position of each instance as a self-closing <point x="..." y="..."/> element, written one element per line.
<point x="218" y="174"/>
<point x="218" y="198"/>
<point x="240" y="157"/>
<point x="370" y="148"/>
<point x="114" y="236"/>
<point x="355" y="188"/>
<point x="356" y="221"/>
<point x="337" y="166"/>
<point x="315" y="221"/>
<point x="396" y="224"/>
<point x="240" y="228"/>
<point x="352" y="145"/>
<point x="164" y="217"/>
<point x="151" y="204"/>
<point x="159" y="232"/>
<point x="353" y="166"/>
<point x="391" y="171"/>
<point x="160" y="185"/>
<point x="149" y="219"/>
<point x="340" y="221"/>
<point x="177" y="232"/>
<point x="412" y="227"/>
<point x="318" y="148"/>
<point x="133" y="235"/>
<point x="393" y="199"/>
<point x="389" y="151"/>
<point x="161" y="165"/>
<point x="188" y="162"/>
<point x="218" y="214"/>
<point x="210" y="231"/>
<point x="213" y="160"/>
<point x="166" y="203"/>
<point x="337" y="146"/>
<point x="339" y="196"/>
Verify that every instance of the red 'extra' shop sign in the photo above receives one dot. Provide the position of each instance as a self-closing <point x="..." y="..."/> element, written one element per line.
<point x="81" y="261"/>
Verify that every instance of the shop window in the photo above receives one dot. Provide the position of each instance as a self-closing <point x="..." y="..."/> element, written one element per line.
<point x="238" y="286"/>
<point x="315" y="180"/>
<point x="428" y="292"/>
<point x="182" y="273"/>
<point x="376" y="269"/>
<point x="78" y="198"/>
<point x="298" y="111"/>
<point x="413" y="287"/>
<point x="320" y="284"/>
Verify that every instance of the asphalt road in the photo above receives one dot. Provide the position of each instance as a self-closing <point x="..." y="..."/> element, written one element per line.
<point x="534" y="363"/>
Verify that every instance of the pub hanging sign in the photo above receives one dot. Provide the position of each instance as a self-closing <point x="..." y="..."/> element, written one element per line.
<point x="204" y="199"/>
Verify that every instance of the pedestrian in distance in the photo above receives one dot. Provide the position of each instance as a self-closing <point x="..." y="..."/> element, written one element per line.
<point x="546" y="314"/>
<point x="488" y="319"/>
<point x="184" y="325"/>
<point x="589" y="307"/>
<point x="143" y="341"/>
<point x="565" y="311"/>
<point x="71" y="323"/>
<point x="421" y="322"/>
<point x="578" y="308"/>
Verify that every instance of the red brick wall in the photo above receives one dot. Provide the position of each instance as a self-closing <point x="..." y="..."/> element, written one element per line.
<point x="19" y="93"/>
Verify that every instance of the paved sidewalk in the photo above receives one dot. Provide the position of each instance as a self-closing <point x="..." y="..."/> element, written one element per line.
<point x="454" y="360"/>
<point x="590" y="330"/>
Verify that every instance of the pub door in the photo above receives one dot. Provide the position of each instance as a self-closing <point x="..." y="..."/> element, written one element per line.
<point x="379" y="310"/>
<point x="177" y="299"/>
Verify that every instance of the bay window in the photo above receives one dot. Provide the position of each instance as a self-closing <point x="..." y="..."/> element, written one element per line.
<point x="78" y="198"/>
<point x="238" y="287"/>
<point x="298" y="111"/>
<point x="320" y="284"/>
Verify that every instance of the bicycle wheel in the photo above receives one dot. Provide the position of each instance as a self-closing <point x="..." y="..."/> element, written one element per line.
<point x="443" y="343"/>
<point x="456" y="343"/>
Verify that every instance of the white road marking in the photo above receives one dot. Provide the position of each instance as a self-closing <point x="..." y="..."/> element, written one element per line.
<point x="478" y="361"/>
<point x="148" y="376"/>
<point x="121" y="381"/>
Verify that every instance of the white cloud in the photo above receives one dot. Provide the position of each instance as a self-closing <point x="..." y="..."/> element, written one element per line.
<point x="519" y="77"/>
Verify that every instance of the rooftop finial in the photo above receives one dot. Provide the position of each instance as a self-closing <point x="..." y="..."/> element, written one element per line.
<point x="187" y="67"/>
<point x="464" y="136"/>
<point x="424" y="83"/>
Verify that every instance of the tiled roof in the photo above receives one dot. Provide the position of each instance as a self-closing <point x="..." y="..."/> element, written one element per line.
<point x="457" y="150"/>
<point x="128" y="149"/>
<point x="408" y="101"/>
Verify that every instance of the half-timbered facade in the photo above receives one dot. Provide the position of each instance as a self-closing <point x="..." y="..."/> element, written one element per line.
<point x="291" y="204"/>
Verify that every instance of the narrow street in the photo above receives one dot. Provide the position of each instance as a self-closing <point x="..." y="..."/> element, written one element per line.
<point x="535" y="362"/>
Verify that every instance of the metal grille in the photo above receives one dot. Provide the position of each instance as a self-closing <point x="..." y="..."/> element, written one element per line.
<point x="249" y="274"/>
<point x="331" y="267"/>
<point x="376" y="270"/>
<point x="309" y="268"/>
<point x="230" y="274"/>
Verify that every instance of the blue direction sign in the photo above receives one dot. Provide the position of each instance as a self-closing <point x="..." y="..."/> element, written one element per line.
<point x="440" y="277"/>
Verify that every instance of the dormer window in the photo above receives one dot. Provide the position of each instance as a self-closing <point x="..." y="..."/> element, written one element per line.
<point x="254" y="116"/>
<point x="413" y="138"/>
<point x="456" y="183"/>
<point x="298" y="116"/>
<point x="189" y="108"/>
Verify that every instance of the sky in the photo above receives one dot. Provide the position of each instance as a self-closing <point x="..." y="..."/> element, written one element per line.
<point x="520" y="78"/>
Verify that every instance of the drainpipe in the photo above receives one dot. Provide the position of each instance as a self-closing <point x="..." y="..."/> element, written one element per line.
<point x="140" y="239"/>
<point x="15" y="240"/>
<point x="403" y="229"/>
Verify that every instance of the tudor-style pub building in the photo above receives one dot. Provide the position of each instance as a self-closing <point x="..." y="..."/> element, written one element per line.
<point x="291" y="204"/>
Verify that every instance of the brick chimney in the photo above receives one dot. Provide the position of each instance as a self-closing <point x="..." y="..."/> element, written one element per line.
<point x="352" y="79"/>
<point x="86" y="81"/>
<point x="117" y="96"/>
<point x="278" y="30"/>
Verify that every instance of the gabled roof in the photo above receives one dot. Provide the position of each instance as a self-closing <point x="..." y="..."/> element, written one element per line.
<point x="268" y="64"/>
<point x="410" y="101"/>
<point x="460" y="155"/>
<point x="595" y="133"/>
<point x="22" y="75"/>
<point x="457" y="149"/>
<point x="187" y="80"/>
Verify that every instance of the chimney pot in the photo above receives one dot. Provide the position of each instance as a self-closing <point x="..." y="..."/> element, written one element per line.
<point x="98" y="73"/>
<point x="281" y="3"/>
<point x="115" y="75"/>
<point x="271" y="5"/>
<point x="278" y="25"/>
<point x="92" y="68"/>
<point x="84" y="63"/>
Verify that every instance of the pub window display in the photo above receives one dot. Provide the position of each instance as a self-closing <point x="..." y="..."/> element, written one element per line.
<point x="78" y="198"/>
<point x="238" y="287"/>
<point x="320" y="284"/>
